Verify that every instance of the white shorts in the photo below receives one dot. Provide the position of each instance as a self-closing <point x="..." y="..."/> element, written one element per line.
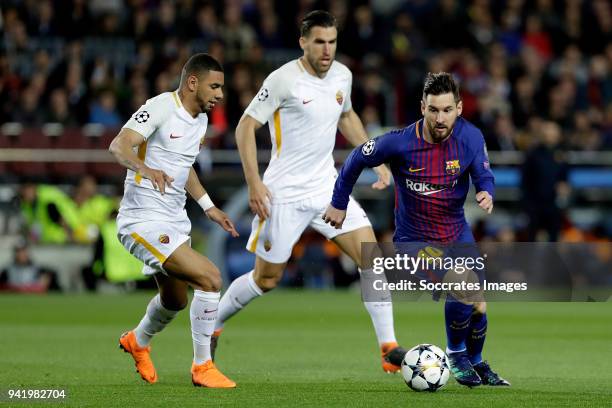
<point x="273" y="239"/>
<point x="152" y="241"/>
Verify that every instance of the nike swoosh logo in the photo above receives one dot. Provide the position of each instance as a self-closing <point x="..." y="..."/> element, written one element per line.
<point x="415" y="170"/>
<point x="209" y="311"/>
<point x="307" y="101"/>
<point x="174" y="136"/>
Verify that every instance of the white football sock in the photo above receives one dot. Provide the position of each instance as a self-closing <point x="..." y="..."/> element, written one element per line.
<point x="381" y="313"/>
<point x="155" y="319"/>
<point x="203" y="314"/>
<point x="238" y="295"/>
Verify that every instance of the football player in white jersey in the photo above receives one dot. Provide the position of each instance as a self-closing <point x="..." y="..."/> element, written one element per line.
<point x="304" y="102"/>
<point x="167" y="132"/>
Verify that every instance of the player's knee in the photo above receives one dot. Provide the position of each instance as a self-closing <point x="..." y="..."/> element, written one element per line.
<point x="267" y="284"/>
<point x="267" y="276"/>
<point x="214" y="282"/>
<point x="210" y="280"/>
<point x="174" y="303"/>
<point x="480" y="307"/>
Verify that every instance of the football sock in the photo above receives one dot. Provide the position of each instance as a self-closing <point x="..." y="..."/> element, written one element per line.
<point x="457" y="318"/>
<point x="381" y="312"/>
<point x="476" y="337"/>
<point x="203" y="314"/>
<point x="155" y="319"/>
<point x="238" y="295"/>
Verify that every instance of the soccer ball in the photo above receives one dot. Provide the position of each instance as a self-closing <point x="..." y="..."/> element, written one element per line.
<point x="425" y="368"/>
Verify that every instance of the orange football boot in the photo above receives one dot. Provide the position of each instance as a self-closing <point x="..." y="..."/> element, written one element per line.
<point x="207" y="375"/>
<point x="141" y="355"/>
<point x="392" y="355"/>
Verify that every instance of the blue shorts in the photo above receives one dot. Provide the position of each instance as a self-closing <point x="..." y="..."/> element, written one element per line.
<point x="440" y="262"/>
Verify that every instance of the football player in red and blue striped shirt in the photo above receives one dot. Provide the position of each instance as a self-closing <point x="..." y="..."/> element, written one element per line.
<point x="432" y="161"/>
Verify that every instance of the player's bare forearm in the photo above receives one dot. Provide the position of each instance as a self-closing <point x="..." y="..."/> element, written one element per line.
<point x="351" y="127"/>
<point x="247" y="148"/>
<point x="122" y="148"/>
<point x="259" y="195"/>
<point x="193" y="186"/>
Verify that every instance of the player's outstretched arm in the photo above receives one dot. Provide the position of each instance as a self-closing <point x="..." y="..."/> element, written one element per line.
<point x="122" y="147"/>
<point x="372" y="153"/>
<point x="259" y="195"/>
<point x="351" y="127"/>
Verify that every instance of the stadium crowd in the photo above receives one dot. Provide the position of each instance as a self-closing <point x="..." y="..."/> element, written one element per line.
<point x="519" y="62"/>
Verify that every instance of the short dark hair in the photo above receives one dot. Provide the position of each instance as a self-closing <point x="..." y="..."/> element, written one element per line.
<point x="317" y="18"/>
<point x="200" y="63"/>
<point x="440" y="83"/>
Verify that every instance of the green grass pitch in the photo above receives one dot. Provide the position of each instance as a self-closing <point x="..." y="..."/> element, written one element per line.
<point x="294" y="348"/>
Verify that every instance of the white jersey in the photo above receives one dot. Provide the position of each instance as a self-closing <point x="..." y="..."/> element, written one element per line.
<point x="302" y="111"/>
<point x="172" y="141"/>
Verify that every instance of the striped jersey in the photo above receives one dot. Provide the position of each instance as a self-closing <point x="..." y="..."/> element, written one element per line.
<point x="302" y="112"/>
<point x="431" y="179"/>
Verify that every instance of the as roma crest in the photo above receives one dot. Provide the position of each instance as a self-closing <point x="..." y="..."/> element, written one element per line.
<point x="164" y="239"/>
<point x="452" y="167"/>
<point x="339" y="97"/>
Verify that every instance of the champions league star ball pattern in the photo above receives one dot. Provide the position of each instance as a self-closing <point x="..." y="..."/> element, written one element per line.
<point x="425" y="368"/>
<point x="142" y="116"/>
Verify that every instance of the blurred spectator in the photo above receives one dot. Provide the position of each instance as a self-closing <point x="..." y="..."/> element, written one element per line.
<point x="75" y="21"/>
<point x="450" y="17"/>
<point x="269" y="34"/>
<point x="509" y="33"/>
<point x="240" y="82"/>
<point x="165" y="25"/>
<point x="42" y="22"/>
<point x="59" y="110"/>
<point x="104" y="110"/>
<point x="362" y="34"/>
<point x="599" y="85"/>
<point x="544" y="184"/>
<point x="482" y="27"/>
<point x="371" y="93"/>
<point x="584" y="136"/>
<point x="30" y="111"/>
<point x="537" y="37"/>
<point x="503" y="136"/>
<point x="523" y="100"/>
<point x="24" y="276"/>
<point x="206" y="25"/>
<point x="92" y="210"/>
<point x="111" y="261"/>
<point x="237" y="37"/>
<point x="48" y="213"/>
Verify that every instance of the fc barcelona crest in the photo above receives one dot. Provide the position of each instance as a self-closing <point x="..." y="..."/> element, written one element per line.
<point x="339" y="97"/>
<point x="452" y="167"/>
